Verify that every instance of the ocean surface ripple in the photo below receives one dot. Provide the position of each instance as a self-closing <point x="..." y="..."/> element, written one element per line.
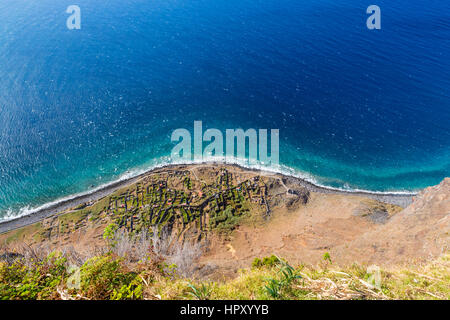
<point x="356" y="109"/>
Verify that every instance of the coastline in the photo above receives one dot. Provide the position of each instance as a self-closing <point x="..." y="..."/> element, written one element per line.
<point x="400" y="199"/>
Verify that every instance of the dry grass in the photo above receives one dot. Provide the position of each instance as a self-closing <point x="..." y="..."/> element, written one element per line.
<point x="174" y="252"/>
<point x="427" y="281"/>
<point x="165" y="272"/>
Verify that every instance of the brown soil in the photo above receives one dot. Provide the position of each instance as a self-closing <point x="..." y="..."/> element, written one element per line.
<point x="303" y="225"/>
<point x="334" y="224"/>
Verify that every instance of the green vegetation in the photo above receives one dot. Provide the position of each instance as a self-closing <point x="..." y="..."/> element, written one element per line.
<point x="327" y="258"/>
<point x="110" y="232"/>
<point x="278" y="287"/>
<point x="20" y="234"/>
<point x="110" y="277"/>
<point x="105" y="277"/>
<point x="159" y="200"/>
<point x="73" y="217"/>
<point x="143" y="262"/>
<point x="203" y="292"/>
<point x="266" y="261"/>
<point x="165" y="198"/>
<point x="39" y="280"/>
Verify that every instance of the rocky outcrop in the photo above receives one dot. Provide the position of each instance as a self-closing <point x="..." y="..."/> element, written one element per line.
<point x="419" y="232"/>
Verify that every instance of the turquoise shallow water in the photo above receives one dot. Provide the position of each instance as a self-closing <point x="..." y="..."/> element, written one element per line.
<point x="356" y="109"/>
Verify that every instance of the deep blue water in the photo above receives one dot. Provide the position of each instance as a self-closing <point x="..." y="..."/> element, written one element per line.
<point x="356" y="108"/>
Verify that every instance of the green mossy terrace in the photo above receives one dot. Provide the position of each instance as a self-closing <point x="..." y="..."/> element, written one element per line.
<point x="174" y="199"/>
<point x="166" y="200"/>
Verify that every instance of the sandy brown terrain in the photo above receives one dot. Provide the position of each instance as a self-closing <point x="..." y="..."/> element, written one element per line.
<point x="304" y="223"/>
<point x="337" y="224"/>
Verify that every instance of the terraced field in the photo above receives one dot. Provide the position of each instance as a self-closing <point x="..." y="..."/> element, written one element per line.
<point x="186" y="201"/>
<point x="181" y="200"/>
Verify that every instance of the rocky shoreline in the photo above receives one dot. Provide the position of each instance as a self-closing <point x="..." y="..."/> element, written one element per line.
<point x="402" y="200"/>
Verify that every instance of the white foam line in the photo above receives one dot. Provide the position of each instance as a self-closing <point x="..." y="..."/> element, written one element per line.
<point x="284" y="170"/>
<point x="288" y="171"/>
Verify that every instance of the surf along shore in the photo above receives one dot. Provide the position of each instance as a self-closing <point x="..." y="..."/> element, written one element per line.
<point x="402" y="200"/>
<point x="224" y="225"/>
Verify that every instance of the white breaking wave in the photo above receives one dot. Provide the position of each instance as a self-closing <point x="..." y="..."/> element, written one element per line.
<point x="166" y="161"/>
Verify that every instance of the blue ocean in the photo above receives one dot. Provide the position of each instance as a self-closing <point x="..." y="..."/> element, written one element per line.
<point x="356" y="108"/>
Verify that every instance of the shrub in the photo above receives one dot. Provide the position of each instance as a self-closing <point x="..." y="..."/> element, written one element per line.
<point x="326" y="257"/>
<point x="103" y="278"/>
<point x="266" y="261"/>
<point x="131" y="291"/>
<point x="276" y="287"/>
<point x="257" y="263"/>
<point x="38" y="281"/>
<point x="202" y="292"/>
<point x="109" y="232"/>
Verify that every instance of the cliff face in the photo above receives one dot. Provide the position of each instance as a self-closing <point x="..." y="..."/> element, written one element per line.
<point x="421" y="231"/>
<point x="432" y="201"/>
<point x="245" y="214"/>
